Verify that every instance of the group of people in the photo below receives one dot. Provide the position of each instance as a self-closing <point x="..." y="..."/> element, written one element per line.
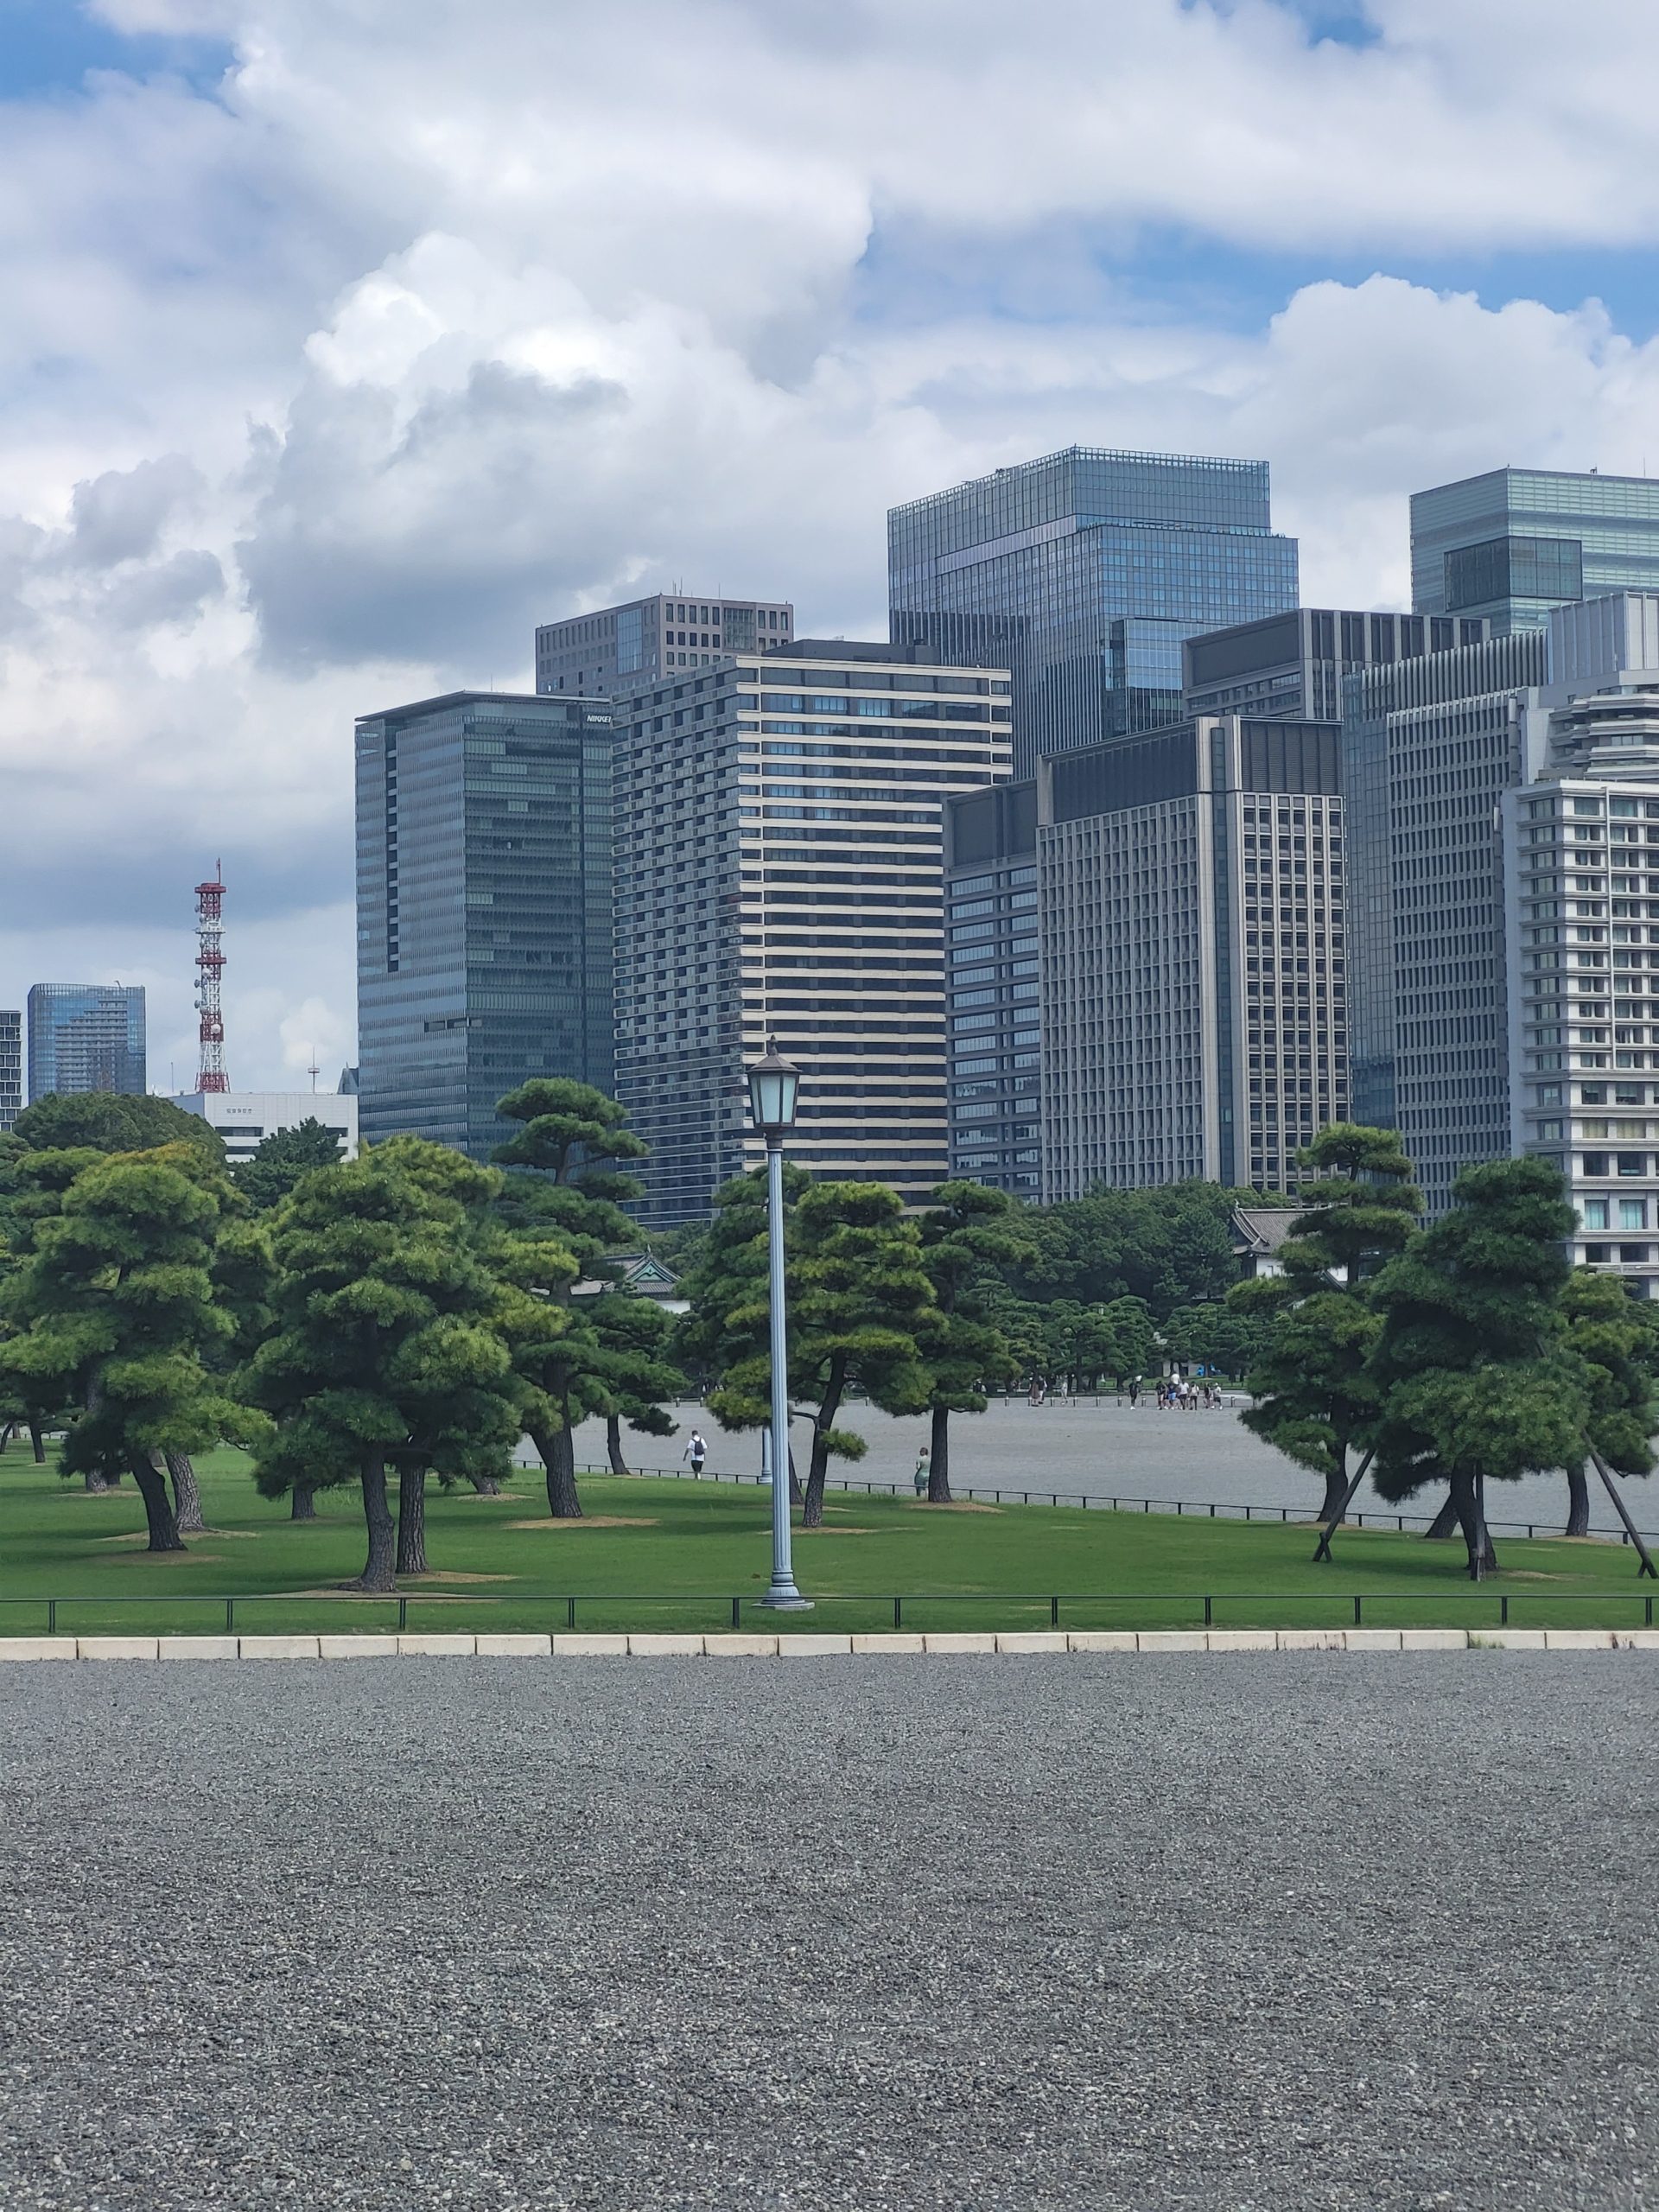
<point x="1177" y="1394"/>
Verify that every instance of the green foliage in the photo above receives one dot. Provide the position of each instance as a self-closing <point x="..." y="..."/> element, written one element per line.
<point x="1229" y="1339"/>
<point x="1476" y="1380"/>
<point x="114" y="1311"/>
<point x="1169" y="1247"/>
<point x="1616" y="1339"/>
<point x="104" y="1120"/>
<point x="267" y="1176"/>
<point x="388" y="1339"/>
<point x="970" y="1235"/>
<point x="861" y="1311"/>
<point x="564" y="1209"/>
<point x="1315" y="1328"/>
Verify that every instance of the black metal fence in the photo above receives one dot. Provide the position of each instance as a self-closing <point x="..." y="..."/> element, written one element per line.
<point x="565" y="1609"/>
<point x="1181" y="1508"/>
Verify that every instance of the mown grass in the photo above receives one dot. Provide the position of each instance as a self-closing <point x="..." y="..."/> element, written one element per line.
<point x="674" y="1554"/>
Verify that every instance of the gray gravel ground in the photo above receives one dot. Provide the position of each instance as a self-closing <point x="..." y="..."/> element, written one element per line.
<point x="1252" y="1935"/>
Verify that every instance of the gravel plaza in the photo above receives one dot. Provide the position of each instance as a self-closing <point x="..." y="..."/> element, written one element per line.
<point x="1259" y="1933"/>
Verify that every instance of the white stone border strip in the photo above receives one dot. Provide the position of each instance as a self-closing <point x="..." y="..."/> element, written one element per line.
<point x="812" y="1645"/>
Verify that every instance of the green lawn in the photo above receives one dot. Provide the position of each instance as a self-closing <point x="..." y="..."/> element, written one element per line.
<point x="674" y="1555"/>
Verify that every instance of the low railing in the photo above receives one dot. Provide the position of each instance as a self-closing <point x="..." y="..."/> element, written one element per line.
<point x="1195" y="1609"/>
<point x="1196" y="1510"/>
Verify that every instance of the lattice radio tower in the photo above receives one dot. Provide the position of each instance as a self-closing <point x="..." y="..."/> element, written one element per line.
<point x="210" y="966"/>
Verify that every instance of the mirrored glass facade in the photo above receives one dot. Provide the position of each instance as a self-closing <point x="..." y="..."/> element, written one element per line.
<point x="86" y="1036"/>
<point x="483" y="908"/>
<point x="1085" y="572"/>
<point x="1514" y="543"/>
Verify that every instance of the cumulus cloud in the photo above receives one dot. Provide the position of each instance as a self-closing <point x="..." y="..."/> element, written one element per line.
<point x="327" y="382"/>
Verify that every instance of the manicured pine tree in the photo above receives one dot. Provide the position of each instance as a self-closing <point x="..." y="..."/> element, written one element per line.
<point x="860" y="1309"/>
<point x="1615" y="1337"/>
<point x="114" y="1309"/>
<point x="1315" y="1396"/>
<point x="1476" y="1383"/>
<point x="566" y="1204"/>
<point x="388" y="1345"/>
<point x="968" y="1235"/>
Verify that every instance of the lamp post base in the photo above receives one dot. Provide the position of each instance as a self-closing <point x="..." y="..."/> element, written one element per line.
<point x="784" y="1597"/>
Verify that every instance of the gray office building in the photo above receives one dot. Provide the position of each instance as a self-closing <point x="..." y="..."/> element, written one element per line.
<point x="1194" y="962"/>
<point x="11" y="1065"/>
<point x="779" y="873"/>
<point x="1429" y="746"/>
<point x="86" y="1036"/>
<point x="1511" y="544"/>
<point x="1085" y="572"/>
<point x="992" y="945"/>
<point x="483" y="908"/>
<point x="644" y="640"/>
<point x="1295" y="664"/>
<point x="1581" y="918"/>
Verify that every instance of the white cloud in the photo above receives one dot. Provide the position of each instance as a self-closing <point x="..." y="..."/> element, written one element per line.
<point x="323" y="388"/>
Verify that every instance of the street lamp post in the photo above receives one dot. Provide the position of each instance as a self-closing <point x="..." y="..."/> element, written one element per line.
<point x="773" y="1088"/>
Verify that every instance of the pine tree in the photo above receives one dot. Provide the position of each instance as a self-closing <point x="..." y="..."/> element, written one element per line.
<point x="1476" y="1381"/>
<point x="567" y="1206"/>
<point x="967" y="1234"/>
<point x="1616" y="1339"/>
<point x="388" y="1347"/>
<point x="114" y="1309"/>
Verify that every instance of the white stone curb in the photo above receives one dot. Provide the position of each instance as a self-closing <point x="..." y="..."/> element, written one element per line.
<point x="809" y="1644"/>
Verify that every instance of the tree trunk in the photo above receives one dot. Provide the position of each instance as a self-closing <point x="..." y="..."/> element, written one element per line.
<point x="558" y="1449"/>
<point x="938" y="1458"/>
<point x="411" y="1520"/>
<point x="187" y="1493"/>
<point x="614" y="1444"/>
<point x="796" y="1495"/>
<point x="1578" y="1502"/>
<point x="818" y="1466"/>
<point x="37" y="1441"/>
<point x="1483" y="1560"/>
<point x="158" y="1507"/>
<point x="1336" y="1489"/>
<point x="304" y="1507"/>
<point x="486" y="1486"/>
<point x="98" y="1482"/>
<point x="1441" y="1529"/>
<point x="378" y="1574"/>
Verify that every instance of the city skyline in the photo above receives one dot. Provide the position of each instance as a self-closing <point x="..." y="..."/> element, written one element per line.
<point x="264" y="472"/>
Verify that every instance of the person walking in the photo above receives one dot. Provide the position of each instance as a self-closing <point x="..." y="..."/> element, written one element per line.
<point x="921" y="1472"/>
<point x="697" y="1450"/>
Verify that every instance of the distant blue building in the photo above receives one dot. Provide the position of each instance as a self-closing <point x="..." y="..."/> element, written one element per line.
<point x="1084" y="573"/>
<point x="86" y="1036"/>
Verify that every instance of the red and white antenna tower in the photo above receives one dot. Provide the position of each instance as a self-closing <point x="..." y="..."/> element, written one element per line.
<point x="210" y="966"/>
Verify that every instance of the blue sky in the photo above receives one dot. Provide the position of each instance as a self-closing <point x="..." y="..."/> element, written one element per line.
<point x="48" y="46"/>
<point x="343" y="344"/>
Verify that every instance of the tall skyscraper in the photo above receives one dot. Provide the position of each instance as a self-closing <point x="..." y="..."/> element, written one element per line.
<point x="86" y="1036"/>
<point x="1514" y="543"/>
<point x="618" y="648"/>
<point x="483" y="908"/>
<point x="1086" y="571"/>
<point x="1295" y="664"/>
<point x="11" y="1065"/>
<point x="1428" y="749"/>
<point x="1581" y="926"/>
<point x="992" y="945"/>
<point x="779" y="873"/>
<point x="1193" y="965"/>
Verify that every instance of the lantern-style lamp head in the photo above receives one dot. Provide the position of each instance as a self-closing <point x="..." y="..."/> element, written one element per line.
<point x="773" y="1085"/>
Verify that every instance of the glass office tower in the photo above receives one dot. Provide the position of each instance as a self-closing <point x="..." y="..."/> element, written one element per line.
<point x="483" y="909"/>
<point x="1084" y="573"/>
<point x="86" y="1036"/>
<point x="1516" y="542"/>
